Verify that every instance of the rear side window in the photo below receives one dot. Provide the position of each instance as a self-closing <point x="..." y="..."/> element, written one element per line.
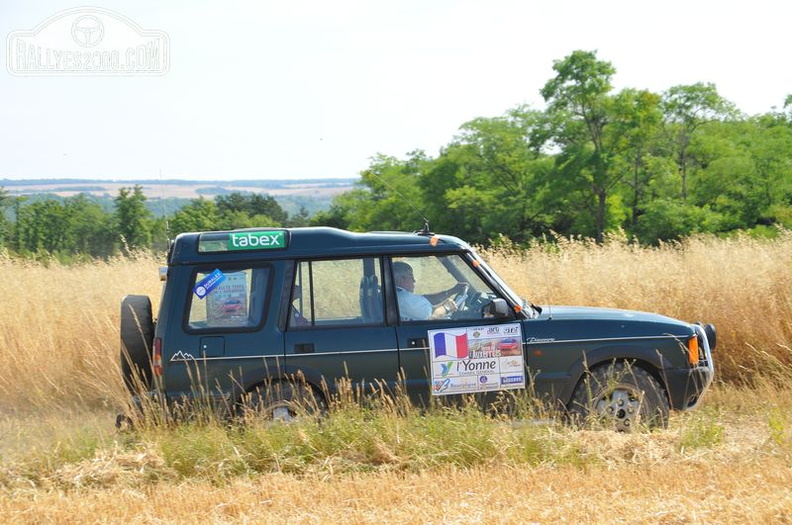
<point x="338" y="292"/>
<point x="228" y="298"/>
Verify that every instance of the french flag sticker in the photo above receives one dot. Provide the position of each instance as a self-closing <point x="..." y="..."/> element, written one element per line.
<point x="451" y="345"/>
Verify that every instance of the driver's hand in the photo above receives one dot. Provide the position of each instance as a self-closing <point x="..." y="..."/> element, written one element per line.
<point x="450" y="306"/>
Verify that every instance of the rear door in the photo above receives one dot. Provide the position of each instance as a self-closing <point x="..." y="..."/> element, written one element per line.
<point x="221" y="331"/>
<point x="336" y="325"/>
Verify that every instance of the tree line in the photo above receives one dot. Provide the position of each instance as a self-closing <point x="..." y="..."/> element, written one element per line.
<point x="657" y="166"/>
<point x="80" y="227"/>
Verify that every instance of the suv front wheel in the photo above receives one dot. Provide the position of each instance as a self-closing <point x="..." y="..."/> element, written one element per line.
<point x="620" y="396"/>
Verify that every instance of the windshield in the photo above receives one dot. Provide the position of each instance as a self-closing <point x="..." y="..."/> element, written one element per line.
<point x="527" y="307"/>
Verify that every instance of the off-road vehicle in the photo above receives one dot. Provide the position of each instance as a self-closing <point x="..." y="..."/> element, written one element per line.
<point x="245" y="313"/>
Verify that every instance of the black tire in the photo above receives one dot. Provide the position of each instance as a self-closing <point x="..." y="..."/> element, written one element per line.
<point x="281" y="401"/>
<point x="621" y="397"/>
<point x="137" y="338"/>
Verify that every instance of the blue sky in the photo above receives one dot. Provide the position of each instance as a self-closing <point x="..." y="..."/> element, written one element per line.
<point x="314" y="89"/>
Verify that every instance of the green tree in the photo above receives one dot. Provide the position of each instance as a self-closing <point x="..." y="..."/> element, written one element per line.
<point x="90" y="228"/>
<point x="132" y="218"/>
<point x="252" y="204"/>
<point x="491" y="180"/>
<point x="637" y="159"/>
<point x="300" y="219"/>
<point x="579" y="106"/>
<point x="393" y="200"/>
<point x="671" y="219"/>
<point x="72" y="226"/>
<point x="750" y="181"/>
<point x="199" y="215"/>
<point x="5" y="202"/>
<point x="42" y="227"/>
<point x="343" y="209"/>
<point x="686" y="109"/>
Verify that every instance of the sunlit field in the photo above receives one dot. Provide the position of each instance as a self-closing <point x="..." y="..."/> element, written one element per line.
<point x="728" y="461"/>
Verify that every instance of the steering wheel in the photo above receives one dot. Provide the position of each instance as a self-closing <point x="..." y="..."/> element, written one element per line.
<point x="461" y="296"/>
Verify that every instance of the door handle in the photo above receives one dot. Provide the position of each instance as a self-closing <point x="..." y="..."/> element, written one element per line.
<point x="418" y="342"/>
<point x="303" y="348"/>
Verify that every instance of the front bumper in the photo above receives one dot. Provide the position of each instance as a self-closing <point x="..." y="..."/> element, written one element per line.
<point x="686" y="386"/>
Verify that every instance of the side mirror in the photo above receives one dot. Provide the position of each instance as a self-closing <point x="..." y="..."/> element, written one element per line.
<point x="496" y="308"/>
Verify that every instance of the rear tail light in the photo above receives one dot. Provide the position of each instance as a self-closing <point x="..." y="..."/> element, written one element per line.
<point x="156" y="358"/>
<point x="693" y="350"/>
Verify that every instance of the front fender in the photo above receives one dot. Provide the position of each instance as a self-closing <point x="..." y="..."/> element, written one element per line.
<point x="650" y="359"/>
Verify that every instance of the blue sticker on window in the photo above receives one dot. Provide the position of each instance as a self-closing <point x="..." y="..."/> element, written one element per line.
<point x="208" y="283"/>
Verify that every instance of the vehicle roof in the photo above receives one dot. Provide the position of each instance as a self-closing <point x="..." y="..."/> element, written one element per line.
<point x="314" y="242"/>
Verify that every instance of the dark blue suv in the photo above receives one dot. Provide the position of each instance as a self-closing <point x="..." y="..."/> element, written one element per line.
<point x="246" y="313"/>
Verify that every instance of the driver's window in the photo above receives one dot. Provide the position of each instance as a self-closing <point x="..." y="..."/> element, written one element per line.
<point x="438" y="287"/>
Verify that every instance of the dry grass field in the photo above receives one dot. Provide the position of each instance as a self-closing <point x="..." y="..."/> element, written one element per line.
<point x="728" y="461"/>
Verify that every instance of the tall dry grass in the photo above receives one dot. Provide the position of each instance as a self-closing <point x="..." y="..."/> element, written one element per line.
<point x="63" y="462"/>
<point x="741" y="285"/>
<point x="59" y="330"/>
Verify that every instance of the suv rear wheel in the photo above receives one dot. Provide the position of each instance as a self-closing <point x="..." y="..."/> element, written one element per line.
<point x="281" y="401"/>
<point x="137" y="337"/>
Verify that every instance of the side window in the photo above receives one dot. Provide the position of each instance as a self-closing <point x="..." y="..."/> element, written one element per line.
<point x="228" y="298"/>
<point x="439" y="287"/>
<point x="337" y="292"/>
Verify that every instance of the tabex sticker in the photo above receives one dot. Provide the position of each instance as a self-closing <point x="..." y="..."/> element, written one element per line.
<point x="256" y="240"/>
<point x="208" y="283"/>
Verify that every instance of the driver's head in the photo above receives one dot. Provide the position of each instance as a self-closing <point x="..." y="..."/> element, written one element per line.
<point x="403" y="275"/>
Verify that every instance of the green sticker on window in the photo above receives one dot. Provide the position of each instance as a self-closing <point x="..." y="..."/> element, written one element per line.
<point x="256" y="240"/>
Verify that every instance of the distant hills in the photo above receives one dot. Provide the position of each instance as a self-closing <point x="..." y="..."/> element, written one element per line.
<point x="292" y="194"/>
<point x="176" y="187"/>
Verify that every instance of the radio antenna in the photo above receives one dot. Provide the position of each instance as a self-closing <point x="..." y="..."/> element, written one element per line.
<point x="423" y="231"/>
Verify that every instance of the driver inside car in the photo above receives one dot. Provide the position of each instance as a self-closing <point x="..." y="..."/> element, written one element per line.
<point x="417" y="307"/>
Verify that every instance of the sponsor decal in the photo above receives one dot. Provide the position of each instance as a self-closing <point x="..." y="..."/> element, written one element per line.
<point x="228" y="303"/>
<point x="476" y="367"/>
<point x="484" y="353"/>
<point x="256" y="240"/>
<point x="208" y="283"/>
<point x="441" y="386"/>
<point x="476" y="359"/>
<point x="541" y="340"/>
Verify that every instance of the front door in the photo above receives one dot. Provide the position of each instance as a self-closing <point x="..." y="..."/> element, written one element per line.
<point x="442" y="293"/>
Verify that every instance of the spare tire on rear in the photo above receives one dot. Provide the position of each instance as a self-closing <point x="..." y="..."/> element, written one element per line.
<point x="137" y="338"/>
